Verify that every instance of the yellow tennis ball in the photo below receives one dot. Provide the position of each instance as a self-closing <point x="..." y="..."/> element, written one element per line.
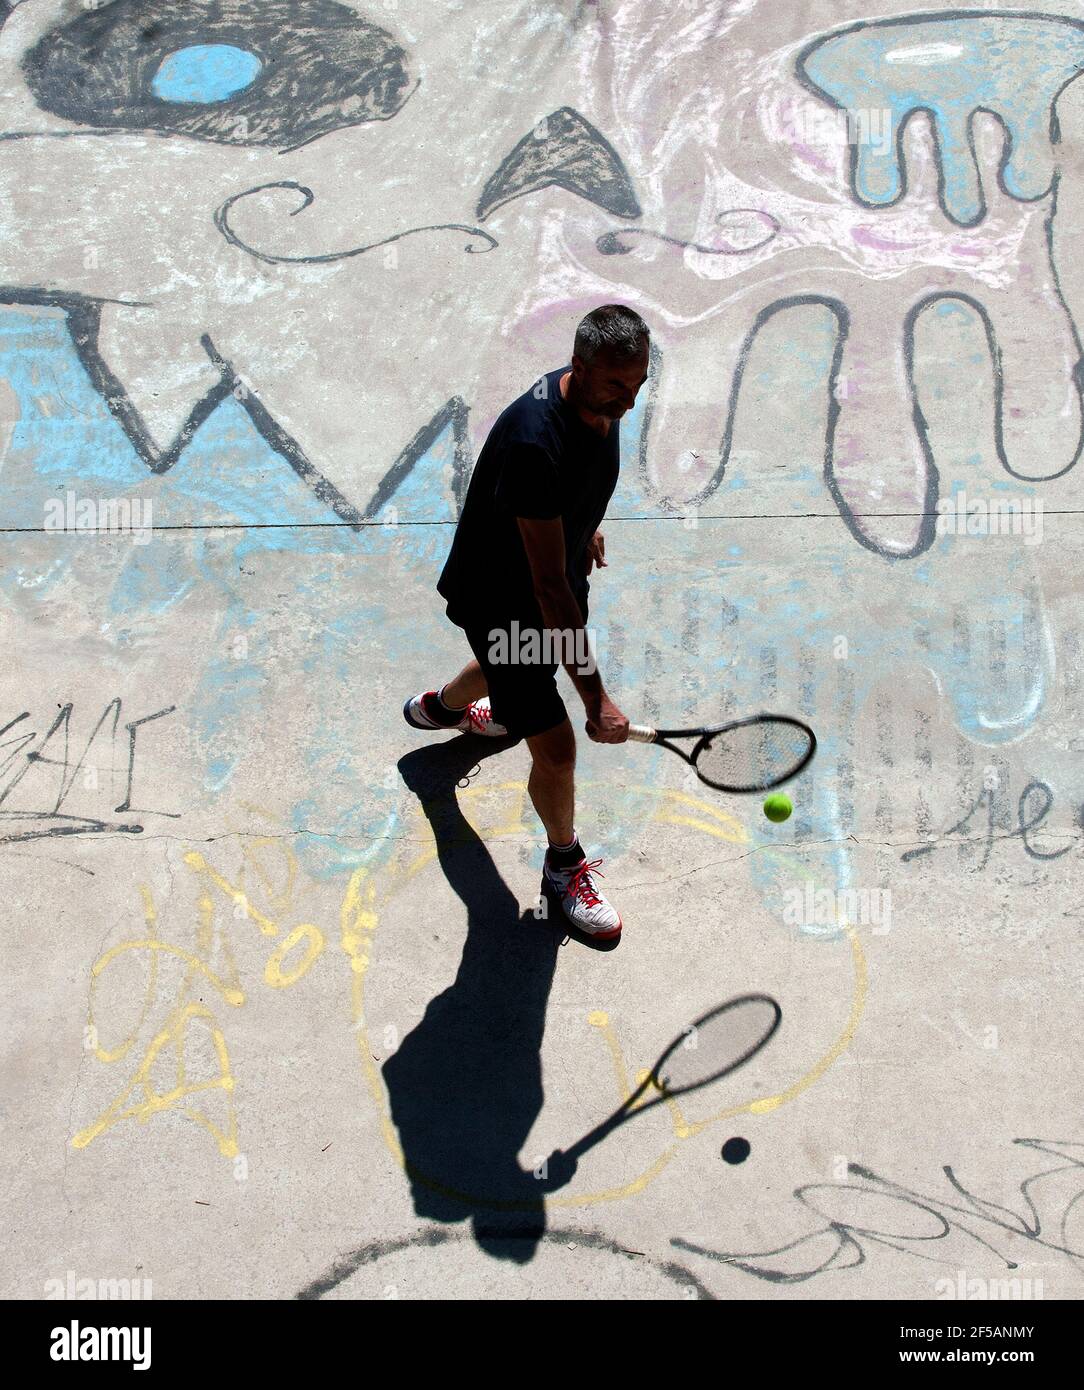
<point x="777" y="807"/>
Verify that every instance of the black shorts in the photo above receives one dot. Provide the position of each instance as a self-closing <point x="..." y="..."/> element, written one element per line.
<point x="523" y="697"/>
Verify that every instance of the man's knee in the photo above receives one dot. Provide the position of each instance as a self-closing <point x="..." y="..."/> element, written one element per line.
<point x="555" y="750"/>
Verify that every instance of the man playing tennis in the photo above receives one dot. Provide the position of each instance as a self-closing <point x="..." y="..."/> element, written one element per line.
<point x="526" y="541"/>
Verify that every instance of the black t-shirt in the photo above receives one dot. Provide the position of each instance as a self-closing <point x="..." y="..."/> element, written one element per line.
<point x="540" y="461"/>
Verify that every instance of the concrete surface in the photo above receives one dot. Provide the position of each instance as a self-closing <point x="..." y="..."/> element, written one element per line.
<point x="238" y="888"/>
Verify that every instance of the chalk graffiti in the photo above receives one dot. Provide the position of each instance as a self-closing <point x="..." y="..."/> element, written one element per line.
<point x="1032" y="808"/>
<point x="437" y="1238"/>
<point x="712" y="264"/>
<point x="174" y="1050"/>
<point x="295" y="70"/>
<point x="881" y="1212"/>
<point x="952" y="64"/>
<point x="222" y="222"/>
<point x="36" y="811"/>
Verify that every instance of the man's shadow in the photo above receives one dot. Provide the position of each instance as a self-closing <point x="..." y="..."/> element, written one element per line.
<point x="465" y="1085"/>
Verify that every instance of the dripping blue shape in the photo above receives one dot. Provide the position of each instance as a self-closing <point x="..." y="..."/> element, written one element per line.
<point x="951" y="65"/>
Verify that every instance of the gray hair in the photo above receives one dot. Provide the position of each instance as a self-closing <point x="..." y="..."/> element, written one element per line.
<point x="611" y="328"/>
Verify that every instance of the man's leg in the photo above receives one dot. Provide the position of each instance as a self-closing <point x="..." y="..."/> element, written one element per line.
<point x="457" y="705"/>
<point x="551" y="784"/>
<point x="469" y="685"/>
<point x="525" y="698"/>
<point x="566" y="875"/>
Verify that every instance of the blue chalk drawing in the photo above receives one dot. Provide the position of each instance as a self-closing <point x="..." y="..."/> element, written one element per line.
<point x="205" y="72"/>
<point x="951" y="64"/>
<point x="66" y="438"/>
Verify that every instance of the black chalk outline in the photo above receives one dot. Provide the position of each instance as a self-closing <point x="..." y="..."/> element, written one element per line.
<point x="928" y="529"/>
<point x="430" y="1237"/>
<point x="222" y="214"/>
<point x="65" y="822"/>
<point x="222" y="30"/>
<point x="493" y="197"/>
<point x="83" y="321"/>
<point x="978" y="1209"/>
<point x="609" y="244"/>
<point x="928" y="17"/>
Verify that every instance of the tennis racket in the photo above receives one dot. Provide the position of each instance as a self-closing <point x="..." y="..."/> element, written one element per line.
<point x="715" y="1045"/>
<point x="748" y="755"/>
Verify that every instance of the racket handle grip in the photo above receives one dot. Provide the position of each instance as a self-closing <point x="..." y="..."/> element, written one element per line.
<point x="641" y="733"/>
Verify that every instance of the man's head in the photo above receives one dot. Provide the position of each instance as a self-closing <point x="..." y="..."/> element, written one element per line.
<point x="609" y="360"/>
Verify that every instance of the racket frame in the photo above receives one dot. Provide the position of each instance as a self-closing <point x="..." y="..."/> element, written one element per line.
<point x="645" y="733"/>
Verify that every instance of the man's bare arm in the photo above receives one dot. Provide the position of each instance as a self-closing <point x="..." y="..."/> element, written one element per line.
<point x="544" y="542"/>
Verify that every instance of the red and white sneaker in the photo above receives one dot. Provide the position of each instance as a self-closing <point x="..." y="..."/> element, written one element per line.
<point x="477" y="718"/>
<point x="580" y="901"/>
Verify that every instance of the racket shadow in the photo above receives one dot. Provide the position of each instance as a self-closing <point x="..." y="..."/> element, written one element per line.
<point x="712" y="1047"/>
<point x="465" y="1084"/>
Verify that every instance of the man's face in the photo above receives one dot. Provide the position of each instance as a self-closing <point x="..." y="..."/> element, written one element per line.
<point x="609" y="385"/>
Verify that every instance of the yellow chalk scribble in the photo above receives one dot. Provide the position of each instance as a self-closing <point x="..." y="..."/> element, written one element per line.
<point x="290" y="961"/>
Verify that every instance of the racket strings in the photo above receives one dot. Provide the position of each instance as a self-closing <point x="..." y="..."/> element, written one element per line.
<point x="753" y="756"/>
